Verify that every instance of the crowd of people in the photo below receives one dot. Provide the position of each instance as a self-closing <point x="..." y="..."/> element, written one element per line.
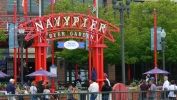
<point x="149" y="85"/>
<point x="42" y="87"/>
<point x="39" y="87"/>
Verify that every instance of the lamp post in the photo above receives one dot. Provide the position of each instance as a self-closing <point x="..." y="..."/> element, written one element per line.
<point x="121" y="7"/>
<point x="21" y="32"/>
<point x="163" y="34"/>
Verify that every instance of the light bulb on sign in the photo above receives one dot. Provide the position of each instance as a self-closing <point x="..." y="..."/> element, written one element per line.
<point x="163" y="33"/>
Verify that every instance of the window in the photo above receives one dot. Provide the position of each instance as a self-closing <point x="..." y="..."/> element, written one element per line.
<point x="33" y="8"/>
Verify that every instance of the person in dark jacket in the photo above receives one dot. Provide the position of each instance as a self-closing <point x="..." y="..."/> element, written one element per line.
<point x="40" y="88"/>
<point x="25" y="72"/>
<point x="10" y="87"/>
<point x="143" y="87"/>
<point x="105" y="88"/>
<point x="94" y="74"/>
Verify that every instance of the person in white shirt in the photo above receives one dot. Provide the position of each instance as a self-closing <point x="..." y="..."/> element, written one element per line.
<point x="105" y="75"/>
<point x="147" y="77"/>
<point x="94" y="87"/>
<point x="171" y="95"/>
<point x="33" y="90"/>
<point x="165" y="87"/>
<point x="47" y="91"/>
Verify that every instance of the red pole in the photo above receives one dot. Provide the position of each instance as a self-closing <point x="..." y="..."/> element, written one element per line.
<point x="89" y="55"/>
<point x="18" y="62"/>
<point x="76" y="70"/>
<point x="15" y="62"/>
<point x="129" y="73"/>
<point x="155" y="42"/>
<point x="26" y="21"/>
<point x="53" y="81"/>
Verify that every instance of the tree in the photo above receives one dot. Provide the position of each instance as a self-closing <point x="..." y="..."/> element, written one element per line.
<point x="137" y="31"/>
<point x="2" y="38"/>
<point x="139" y="24"/>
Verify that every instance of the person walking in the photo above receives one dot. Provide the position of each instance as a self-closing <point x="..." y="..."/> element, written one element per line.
<point x="33" y="90"/>
<point x="40" y="88"/>
<point x="47" y="91"/>
<point x="11" y="88"/>
<point x="143" y="87"/>
<point x="94" y="74"/>
<point x="172" y="95"/>
<point x="147" y="78"/>
<point x="94" y="87"/>
<point x="70" y="91"/>
<point x="79" y="79"/>
<point x="25" y="71"/>
<point x="152" y="90"/>
<point x="105" y="88"/>
<point x="105" y="75"/>
<point x="165" y="87"/>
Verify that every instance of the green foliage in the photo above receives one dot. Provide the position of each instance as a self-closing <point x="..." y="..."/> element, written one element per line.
<point x="2" y="38"/>
<point x="137" y="31"/>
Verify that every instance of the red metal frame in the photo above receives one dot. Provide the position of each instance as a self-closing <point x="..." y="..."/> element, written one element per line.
<point x="96" y="46"/>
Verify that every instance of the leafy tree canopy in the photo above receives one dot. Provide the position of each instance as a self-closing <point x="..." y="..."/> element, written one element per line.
<point x="2" y="38"/>
<point x="137" y="31"/>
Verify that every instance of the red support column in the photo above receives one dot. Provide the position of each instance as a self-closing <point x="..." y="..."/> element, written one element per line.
<point x="38" y="61"/>
<point x="98" y="62"/>
<point x="155" y="42"/>
<point x="18" y="62"/>
<point x="53" y="81"/>
<point x="44" y="62"/>
<point x="128" y="73"/>
<point x="90" y="63"/>
<point x="15" y="52"/>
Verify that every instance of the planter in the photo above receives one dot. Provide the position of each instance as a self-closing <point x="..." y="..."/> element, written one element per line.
<point x="3" y="98"/>
<point x="63" y="98"/>
<point x="26" y="98"/>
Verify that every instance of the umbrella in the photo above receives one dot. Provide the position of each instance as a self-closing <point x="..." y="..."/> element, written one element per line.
<point x="41" y="72"/>
<point x="156" y="71"/>
<point x="3" y="74"/>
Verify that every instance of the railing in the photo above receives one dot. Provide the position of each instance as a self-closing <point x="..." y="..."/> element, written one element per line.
<point x="85" y="95"/>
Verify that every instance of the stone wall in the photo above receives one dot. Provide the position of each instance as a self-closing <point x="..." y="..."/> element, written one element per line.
<point x="111" y="73"/>
<point x="61" y="70"/>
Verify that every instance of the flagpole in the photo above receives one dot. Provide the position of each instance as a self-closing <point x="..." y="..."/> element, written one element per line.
<point x="39" y="8"/>
<point x="96" y="8"/>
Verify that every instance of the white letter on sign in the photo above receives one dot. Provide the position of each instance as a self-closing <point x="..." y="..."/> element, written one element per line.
<point x="76" y="19"/>
<point x="93" y="26"/>
<point x="66" y="20"/>
<point x="39" y="25"/>
<point x="102" y="27"/>
<point x="49" y="23"/>
<point x="57" y="20"/>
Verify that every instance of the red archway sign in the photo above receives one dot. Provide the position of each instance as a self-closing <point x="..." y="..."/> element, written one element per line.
<point x="69" y="25"/>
